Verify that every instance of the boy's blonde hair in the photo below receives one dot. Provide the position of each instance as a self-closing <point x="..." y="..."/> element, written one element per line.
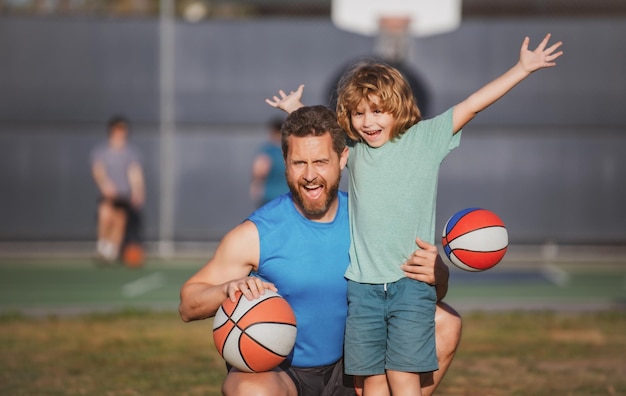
<point x="374" y="78"/>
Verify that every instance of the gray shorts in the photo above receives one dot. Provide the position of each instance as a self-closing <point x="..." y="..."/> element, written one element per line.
<point x="390" y="327"/>
<point x="322" y="381"/>
<point x="319" y="381"/>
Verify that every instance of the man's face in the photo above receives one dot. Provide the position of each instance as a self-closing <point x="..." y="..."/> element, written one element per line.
<point x="118" y="135"/>
<point x="313" y="172"/>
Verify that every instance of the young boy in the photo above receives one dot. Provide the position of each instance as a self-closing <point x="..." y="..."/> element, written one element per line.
<point x="394" y="167"/>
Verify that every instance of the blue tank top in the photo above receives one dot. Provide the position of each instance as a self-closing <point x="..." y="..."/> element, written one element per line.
<point x="306" y="260"/>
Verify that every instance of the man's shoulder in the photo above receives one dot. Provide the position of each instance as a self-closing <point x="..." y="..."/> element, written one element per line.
<point x="343" y="201"/>
<point x="343" y="195"/>
<point x="99" y="151"/>
<point x="276" y="206"/>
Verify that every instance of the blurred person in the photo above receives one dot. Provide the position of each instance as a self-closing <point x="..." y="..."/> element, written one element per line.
<point x="268" y="168"/>
<point x="297" y="245"/>
<point x="118" y="173"/>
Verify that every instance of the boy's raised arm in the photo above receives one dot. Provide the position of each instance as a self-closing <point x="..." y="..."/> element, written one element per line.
<point x="529" y="61"/>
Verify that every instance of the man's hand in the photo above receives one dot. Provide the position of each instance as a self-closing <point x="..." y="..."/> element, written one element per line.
<point x="251" y="287"/>
<point x="421" y="264"/>
<point x="426" y="265"/>
<point x="108" y="190"/>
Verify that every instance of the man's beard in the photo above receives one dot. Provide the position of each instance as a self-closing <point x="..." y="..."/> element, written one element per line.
<point x="314" y="209"/>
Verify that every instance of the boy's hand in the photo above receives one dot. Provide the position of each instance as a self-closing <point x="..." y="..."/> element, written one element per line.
<point x="541" y="57"/>
<point x="288" y="103"/>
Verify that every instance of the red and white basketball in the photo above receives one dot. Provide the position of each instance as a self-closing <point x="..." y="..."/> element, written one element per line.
<point x="257" y="335"/>
<point x="475" y="239"/>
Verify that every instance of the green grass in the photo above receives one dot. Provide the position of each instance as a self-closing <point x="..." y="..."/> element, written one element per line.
<point x="131" y="353"/>
<point x="68" y="327"/>
<point x="540" y="353"/>
<point x="148" y="353"/>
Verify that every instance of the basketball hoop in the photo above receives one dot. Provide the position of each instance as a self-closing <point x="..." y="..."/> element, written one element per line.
<point x="392" y="41"/>
<point x="427" y="17"/>
<point x="393" y="23"/>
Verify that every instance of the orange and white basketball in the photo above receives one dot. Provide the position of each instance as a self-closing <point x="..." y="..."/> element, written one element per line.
<point x="256" y="335"/>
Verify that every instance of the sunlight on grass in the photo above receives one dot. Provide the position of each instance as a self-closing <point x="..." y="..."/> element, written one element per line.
<point x="144" y="353"/>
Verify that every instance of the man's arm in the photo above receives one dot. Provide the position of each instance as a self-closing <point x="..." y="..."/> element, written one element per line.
<point x="137" y="184"/>
<point x="99" y="173"/>
<point x="225" y="274"/>
<point x="529" y="61"/>
<point x="442" y="275"/>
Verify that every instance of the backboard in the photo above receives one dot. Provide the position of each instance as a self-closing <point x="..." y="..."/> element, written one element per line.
<point x="425" y="17"/>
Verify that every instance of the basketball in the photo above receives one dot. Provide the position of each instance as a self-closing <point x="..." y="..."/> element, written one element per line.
<point x="257" y="335"/>
<point x="475" y="239"/>
<point x="133" y="255"/>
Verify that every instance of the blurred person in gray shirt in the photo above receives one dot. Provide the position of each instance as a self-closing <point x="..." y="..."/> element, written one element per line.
<point x="118" y="173"/>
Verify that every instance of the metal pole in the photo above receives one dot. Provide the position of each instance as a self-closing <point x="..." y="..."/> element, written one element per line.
<point x="167" y="128"/>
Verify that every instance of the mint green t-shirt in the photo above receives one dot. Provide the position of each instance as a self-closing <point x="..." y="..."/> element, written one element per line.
<point x="392" y="196"/>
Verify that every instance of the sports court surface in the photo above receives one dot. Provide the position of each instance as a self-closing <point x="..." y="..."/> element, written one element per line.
<point x="564" y="279"/>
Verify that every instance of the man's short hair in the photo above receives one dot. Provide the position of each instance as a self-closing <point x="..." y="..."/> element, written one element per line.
<point x="117" y="120"/>
<point x="313" y="121"/>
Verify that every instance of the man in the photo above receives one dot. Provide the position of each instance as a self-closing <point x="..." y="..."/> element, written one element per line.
<point x="298" y="246"/>
<point x="117" y="171"/>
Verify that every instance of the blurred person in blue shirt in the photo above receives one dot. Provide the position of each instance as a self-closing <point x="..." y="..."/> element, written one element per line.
<point x="268" y="169"/>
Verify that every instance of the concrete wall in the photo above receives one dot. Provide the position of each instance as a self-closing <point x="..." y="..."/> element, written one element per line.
<point x="546" y="157"/>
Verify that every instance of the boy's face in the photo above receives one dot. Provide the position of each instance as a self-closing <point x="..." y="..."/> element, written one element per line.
<point x="313" y="172"/>
<point x="372" y="124"/>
